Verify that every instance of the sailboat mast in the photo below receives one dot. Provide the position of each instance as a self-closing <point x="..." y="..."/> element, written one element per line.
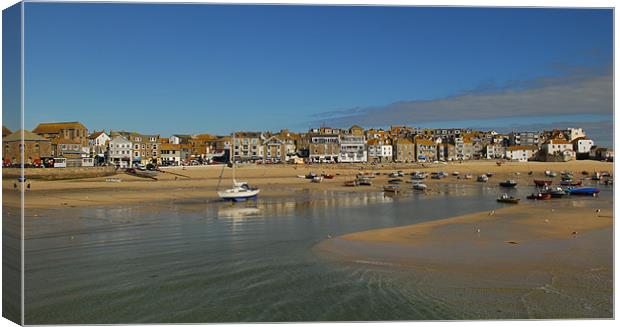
<point x="232" y="151"/>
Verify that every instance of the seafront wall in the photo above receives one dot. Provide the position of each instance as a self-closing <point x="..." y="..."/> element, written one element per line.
<point x="59" y="173"/>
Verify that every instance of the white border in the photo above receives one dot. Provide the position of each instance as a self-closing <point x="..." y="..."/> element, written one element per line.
<point x="507" y="3"/>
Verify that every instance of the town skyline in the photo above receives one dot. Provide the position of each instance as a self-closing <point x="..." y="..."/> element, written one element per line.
<point x="372" y="66"/>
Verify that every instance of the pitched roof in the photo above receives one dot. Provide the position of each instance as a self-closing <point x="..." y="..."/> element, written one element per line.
<point x="247" y="134"/>
<point x="95" y="135"/>
<point x="28" y="136"/>
<point x="6" y="131"/>
<point x="54" y="128"/>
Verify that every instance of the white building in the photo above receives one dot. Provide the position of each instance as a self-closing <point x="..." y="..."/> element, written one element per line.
<point x="353" y="148"/>
<point x="120" y="152"/>
<point x="520" y="153"/>
<point x="556" y="146"/>
<point x="495" y="151"/>
<point x="582" y="145"/>
<point x="379" y="150"/>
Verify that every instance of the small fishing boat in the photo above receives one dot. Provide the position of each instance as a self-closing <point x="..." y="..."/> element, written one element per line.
<point x="504" y="198"/>
<point x="365" y="175"/>
<point x="555" y="192"/>
<point x="419" y="186"/>
<point x="328" y="176"/>
<point x="570" y="183"/>
<point x="317" y="179"/>
<point x="596" y="176"/>
<point x="350" y="183"/>
<point x="364" y="181"/>
<point x="395" y="181"/>
<point x="482" y="178"/>
<point x="609" y="181"/>
<point x="539" y="196"/>
<point x="311" y="175"/>
<point x="418" y="175"/>
<point x="508" y="183"/>
<point x="591" y="191"/>
<point x="489" y="174"/>
<point x="391" y="188"/>
<point x="540" y="182"/>
<point x="455" y="173"/>
<point x="393" y="175"/>
<point x="550" y="173"/>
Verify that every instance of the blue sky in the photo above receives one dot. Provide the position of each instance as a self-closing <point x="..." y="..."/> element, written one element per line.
<point x="217" y="68"/>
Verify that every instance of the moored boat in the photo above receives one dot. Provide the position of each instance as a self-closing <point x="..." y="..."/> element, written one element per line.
<point x="504" y="198"/>
<point x="350" y="183"/>
<point x="391" y="188"/>
<point x="364" y="181"/>
<point x="550" y="173"/>
<point x="419" y="186"/>
<point x="508" y="183"/>
<point x="539" y="196"/>
<point x="240" y="191"/>
<point x="482" y="178"/>
<point x="591" y="191"/>
<point x="555" y="192"/>
<point x="395" y="181"/>
<point x="540" y="182"/>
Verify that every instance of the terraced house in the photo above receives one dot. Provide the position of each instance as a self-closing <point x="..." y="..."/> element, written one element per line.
<point x="425" y="150"/>
<point x="353" y="145"/>
<point x="279" y="149"/>
<point x="145" y="147"/>
<point x="324" y="145"/>
<point x="404" y="150"/>
<point x="248" y="146"/>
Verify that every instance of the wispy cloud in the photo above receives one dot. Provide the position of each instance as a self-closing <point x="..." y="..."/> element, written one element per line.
<point x="579" y="90"/>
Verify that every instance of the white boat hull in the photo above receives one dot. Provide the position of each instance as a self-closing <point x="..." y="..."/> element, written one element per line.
<point x="237" y="195"/>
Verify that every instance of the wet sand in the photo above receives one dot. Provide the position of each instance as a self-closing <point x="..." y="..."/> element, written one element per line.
<point x="551" y="259"/>
<point x="274" y="180"/>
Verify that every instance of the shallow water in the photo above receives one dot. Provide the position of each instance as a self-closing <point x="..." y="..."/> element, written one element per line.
<point x="216" y="262"/>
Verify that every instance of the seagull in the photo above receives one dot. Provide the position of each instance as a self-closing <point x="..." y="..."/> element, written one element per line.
<point x="492" y="212"/>
<point x="329" y="236"/>
<point x="547" y="221"/>
<point x="478" y="231"/>
<point x="598" y="210"/>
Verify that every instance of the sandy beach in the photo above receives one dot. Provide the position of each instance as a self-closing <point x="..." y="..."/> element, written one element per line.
<point x="201" y="182"/>
<point x="551" y="259"/>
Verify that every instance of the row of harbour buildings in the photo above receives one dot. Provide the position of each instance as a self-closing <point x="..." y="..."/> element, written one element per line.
<point x="66" y="144"/>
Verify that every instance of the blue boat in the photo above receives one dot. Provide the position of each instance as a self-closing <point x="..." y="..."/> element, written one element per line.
<point x="584" y="191"/>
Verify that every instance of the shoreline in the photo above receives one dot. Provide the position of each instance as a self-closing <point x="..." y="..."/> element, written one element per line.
<point x="274" y="181"/>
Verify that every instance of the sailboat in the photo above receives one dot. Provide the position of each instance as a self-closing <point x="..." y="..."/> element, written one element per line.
<point x="240" y="191"/>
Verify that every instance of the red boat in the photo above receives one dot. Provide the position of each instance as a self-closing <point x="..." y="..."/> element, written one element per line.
<point x="540" y="182"/>
<point x="539" y="196"/>
<point x="328" y="176"/>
